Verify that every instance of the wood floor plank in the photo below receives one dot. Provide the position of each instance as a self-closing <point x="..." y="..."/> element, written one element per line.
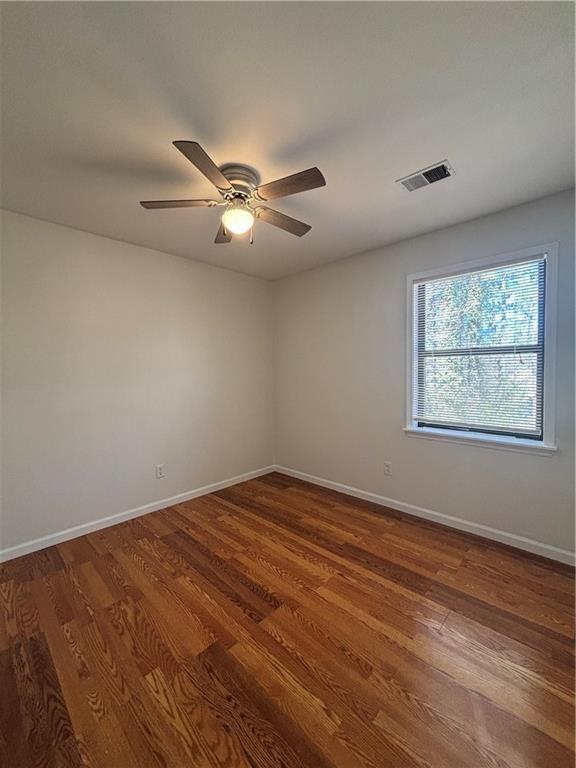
<point x="13" y="744"/>
<point x="141" y="638"/>
<point x="275" y="624"/>
<point x="177" y="720"/>
<point x="268" y="737"/>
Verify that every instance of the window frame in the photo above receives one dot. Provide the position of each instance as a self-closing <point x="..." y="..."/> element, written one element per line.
<point x="545" y="446"/>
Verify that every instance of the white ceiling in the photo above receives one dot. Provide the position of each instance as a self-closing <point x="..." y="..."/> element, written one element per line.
<point x="93" y="94"/>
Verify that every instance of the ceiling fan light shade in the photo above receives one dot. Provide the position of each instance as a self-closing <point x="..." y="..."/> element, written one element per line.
<point x="238" y="218"/>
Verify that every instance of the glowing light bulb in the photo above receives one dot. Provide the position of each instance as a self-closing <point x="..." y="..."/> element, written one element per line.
<point x="238" y="218"/>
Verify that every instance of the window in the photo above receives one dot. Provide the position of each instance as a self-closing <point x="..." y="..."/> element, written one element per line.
<point x="480" y="359"/>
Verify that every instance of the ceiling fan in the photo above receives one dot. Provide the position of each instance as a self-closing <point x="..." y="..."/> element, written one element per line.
<point x="239" y="186"/>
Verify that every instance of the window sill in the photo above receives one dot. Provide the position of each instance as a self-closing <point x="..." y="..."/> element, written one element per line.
<point x="496" y="442"/>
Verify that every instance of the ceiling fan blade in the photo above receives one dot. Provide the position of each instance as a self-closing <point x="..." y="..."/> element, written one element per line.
<point x="290" y="185"/>
<point x="177" y="203"/>
<point x="278" y="219"/>
<point x="194" y="152"/>
<point x="222" y="236"/>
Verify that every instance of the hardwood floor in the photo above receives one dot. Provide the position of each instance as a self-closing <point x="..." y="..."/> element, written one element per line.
<point x="275" y="624"/>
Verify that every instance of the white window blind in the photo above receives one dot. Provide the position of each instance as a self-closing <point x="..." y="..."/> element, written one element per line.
<point x="478" y="361"/>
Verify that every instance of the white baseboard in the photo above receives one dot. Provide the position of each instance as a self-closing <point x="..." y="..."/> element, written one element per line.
<point x="104" y="522"/>
<point x="512" y="539"/>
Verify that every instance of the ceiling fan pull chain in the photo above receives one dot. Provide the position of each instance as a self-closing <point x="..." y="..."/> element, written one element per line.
<point x="251" y="235"/>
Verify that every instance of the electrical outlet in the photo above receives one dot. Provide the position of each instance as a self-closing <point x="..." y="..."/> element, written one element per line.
<point x="388" y="468"/>
<point x="159" y="471"/>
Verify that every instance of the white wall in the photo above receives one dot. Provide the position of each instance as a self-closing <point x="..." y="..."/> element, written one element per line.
<point x="117" y="358"/>
<point x="340" y="352"/>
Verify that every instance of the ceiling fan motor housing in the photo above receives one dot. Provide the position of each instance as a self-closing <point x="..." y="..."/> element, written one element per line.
<point x="243" y="178"/>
